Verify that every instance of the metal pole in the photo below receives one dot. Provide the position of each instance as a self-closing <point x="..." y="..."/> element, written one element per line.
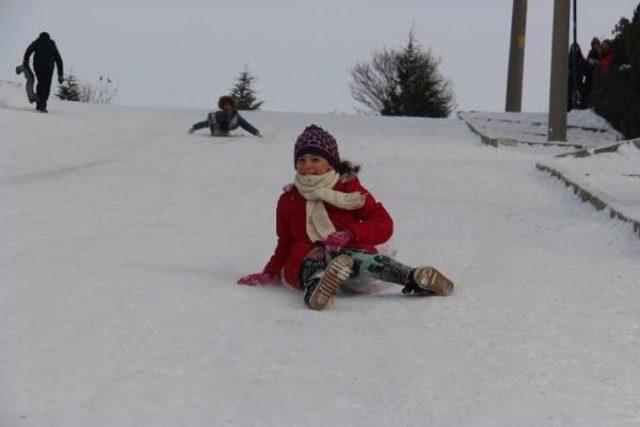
<point x="574" y="59"/>
<point x="516" y="56"/>
<point x="559" y="62"/>
<point x="575" y="21"/>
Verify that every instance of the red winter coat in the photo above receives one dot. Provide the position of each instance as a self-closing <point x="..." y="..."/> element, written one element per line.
<point x="371" y="225"/>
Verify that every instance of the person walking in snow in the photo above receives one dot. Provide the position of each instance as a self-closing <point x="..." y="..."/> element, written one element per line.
<point x="328" y="226"/>
<point x="45" y="55"/>
<point x="225" y="119"/>
<point x="576" y="77"/>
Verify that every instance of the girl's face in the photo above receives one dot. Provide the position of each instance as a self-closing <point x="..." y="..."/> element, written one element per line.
<point x="312" y="164"/>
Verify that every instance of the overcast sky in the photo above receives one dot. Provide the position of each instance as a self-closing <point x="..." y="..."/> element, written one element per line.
<point x="186" y="53"/>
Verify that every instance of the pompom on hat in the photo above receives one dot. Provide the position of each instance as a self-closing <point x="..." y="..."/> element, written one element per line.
<point x="315" y="140"/>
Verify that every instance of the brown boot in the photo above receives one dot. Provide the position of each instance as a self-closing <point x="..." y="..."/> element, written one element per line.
<point x="430" y="279"/>
<point x="338" y="270"/>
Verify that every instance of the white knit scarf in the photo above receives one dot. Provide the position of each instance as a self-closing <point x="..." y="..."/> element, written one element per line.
<point x="318" y="190"/>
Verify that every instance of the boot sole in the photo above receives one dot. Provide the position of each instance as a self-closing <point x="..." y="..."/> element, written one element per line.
<point x="338" y="271"/>
<point x="430" y="279"/>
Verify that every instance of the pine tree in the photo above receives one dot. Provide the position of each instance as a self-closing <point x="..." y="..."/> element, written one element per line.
<point x="403" y="83"/>
<point x="69" y="90"/>
<point x="423" y="91"/>
<point x="408" y="71"/>
<point x="243" y="93"/>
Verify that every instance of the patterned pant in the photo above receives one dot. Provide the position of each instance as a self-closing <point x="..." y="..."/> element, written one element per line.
<point x="365" y="264"/>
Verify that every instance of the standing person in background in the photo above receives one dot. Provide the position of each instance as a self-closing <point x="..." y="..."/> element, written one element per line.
<point x="594" y="53"/>
<point x="45" y="54"/>
<point x="601" y="72"/>
<point x="593" y="59"/>
<point x="577" y="71"/>
<point x="606" y="56"/>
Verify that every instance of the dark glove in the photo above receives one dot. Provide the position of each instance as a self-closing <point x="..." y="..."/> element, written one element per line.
<point x="60" y="78"/>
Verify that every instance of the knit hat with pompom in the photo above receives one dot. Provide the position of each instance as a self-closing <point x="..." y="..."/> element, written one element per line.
<point x="315" y="140"/>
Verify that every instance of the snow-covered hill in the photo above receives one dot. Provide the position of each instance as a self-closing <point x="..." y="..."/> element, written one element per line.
<point x="122" y="237"/>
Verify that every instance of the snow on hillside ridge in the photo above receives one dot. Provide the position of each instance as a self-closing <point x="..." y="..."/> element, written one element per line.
<point x="123" y="237"/>
<point x="612" y="177"/>
<point x="584" y="127"/>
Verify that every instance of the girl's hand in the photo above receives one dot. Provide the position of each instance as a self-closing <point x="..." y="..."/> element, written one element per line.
<point x="257" y="279"/>
<point x="339" y="239"/>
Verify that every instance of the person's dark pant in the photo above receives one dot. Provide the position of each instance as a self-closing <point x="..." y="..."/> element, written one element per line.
<point x="43" y="88"/>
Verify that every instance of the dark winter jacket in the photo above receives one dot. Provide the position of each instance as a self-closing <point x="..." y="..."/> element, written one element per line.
<point x="578" y="75"/>
<point x="45" y="54"/>
<point x="371" y="225"/>
<point x="593" y="55"/>
<point x="225" y="122"/>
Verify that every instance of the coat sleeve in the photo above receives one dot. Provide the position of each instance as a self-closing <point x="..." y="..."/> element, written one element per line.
<point x="200" y="125"/>
<point x="58" y="59"/>
<point x="247" y="126"/>
<point x="27" y="55"/>
<point x="374" y="225"/>
<point x="283" y="247"/>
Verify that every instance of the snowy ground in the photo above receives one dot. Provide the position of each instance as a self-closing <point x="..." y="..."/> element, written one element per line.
<point x="584" y="128"/>
<point x="123" y="236"/>
<point x="613" y="177"/>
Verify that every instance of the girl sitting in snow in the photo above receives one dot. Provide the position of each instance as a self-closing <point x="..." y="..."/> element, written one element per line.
<point x="328" y="226"/>
<point x="224" y="120"/>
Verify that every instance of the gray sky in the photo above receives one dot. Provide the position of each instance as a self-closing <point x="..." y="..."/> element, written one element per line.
<point x="186" y="53"/>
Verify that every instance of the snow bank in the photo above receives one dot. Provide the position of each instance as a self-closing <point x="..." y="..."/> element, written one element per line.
<point x="584" y="128"/>
<point x="611" y="176"/>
